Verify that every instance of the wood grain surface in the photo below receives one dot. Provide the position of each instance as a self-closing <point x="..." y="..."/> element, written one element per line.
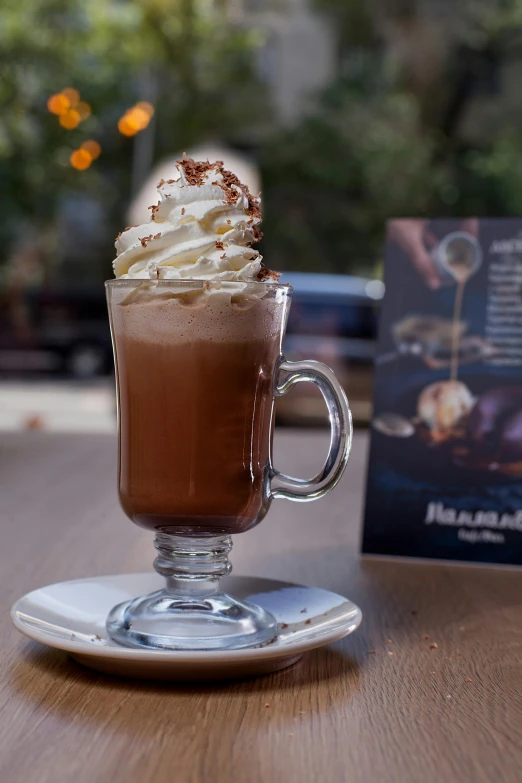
<point x="382" y="705"/>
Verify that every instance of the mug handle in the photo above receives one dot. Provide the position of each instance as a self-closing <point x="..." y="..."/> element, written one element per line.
<point x="340" y="417"/>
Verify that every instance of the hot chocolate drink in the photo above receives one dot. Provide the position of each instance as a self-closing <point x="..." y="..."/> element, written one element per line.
<point x="196" y="400"/>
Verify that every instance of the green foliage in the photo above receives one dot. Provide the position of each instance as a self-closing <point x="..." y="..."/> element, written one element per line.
<point x="373" y="146"/>
<point x="331" y="183"/>
<point x="199" y="64"/>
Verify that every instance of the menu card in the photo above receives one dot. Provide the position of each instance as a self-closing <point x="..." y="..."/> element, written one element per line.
<point x="445" y="468"/>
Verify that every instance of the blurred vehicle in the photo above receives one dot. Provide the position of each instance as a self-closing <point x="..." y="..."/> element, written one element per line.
<point x="333" y="319"/>
<point x="58" y="329"/>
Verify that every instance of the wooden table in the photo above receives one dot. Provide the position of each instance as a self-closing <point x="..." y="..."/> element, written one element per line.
<point x="382" y="705"/>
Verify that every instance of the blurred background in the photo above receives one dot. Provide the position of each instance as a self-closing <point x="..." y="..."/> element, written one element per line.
<point x="344" y="112"/>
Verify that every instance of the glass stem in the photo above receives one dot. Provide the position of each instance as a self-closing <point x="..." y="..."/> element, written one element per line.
<point x="192" y="565"/>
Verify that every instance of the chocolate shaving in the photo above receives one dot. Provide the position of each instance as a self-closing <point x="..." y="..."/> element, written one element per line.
<point x="223" y="256"/>
<point x="256" y="234"/>
<point x="145" y="240"/>
<point x="196" y="172"/>
<point x="220" y="245"/>
<point x="182" y="210"/>
<point x="265" y="274"/>
<point x="153" y="209"/>
<point x="160" y="183"/>
<point x="157" y="236"/>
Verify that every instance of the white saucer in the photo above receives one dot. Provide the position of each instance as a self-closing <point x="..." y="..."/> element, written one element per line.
<point x="71" y="616"/>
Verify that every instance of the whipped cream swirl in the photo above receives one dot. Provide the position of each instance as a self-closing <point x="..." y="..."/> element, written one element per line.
<point x="201" y="229"/>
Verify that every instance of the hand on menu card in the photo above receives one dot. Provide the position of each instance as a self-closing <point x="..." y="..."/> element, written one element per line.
<point x="414" y="238"/>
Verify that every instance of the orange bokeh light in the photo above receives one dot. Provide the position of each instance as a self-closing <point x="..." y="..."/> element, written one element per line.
<point x="84" y="110"/>
<point x="136" y="118"/>
<point x="126" y="127"/>
<point x="92" y="147"/>
<point x="139" y="117"/>
<point x="147" y="107"/>
<point x="68" y="107"/>
<point x="72" y="95"/>
<point x="71" y="119"/>
<point x="80" y="159"/>
<point x="58" y="104"/>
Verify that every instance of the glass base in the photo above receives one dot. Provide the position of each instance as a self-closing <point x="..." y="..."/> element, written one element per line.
<point x="191" y="613"/>
<point x="167" y="621"/>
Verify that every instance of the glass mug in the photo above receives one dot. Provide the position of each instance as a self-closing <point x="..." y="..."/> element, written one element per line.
<point x="198" y="367"/>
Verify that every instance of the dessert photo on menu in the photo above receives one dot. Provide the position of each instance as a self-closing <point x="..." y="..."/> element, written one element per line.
<point x="445" y="468"/>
